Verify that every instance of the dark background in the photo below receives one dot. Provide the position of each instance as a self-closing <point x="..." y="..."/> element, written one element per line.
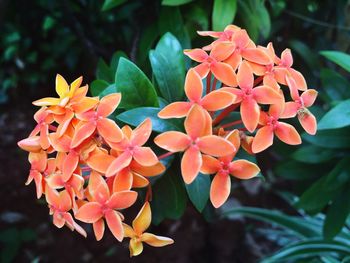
<point x="41" y="38"/>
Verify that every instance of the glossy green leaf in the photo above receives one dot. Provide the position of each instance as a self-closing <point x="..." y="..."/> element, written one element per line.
<point x="296" y="171"/>
<point x="293" y="223"/>
<point x="313" y="154"/>
<point x="135" y="116"/>
<point x="104" y="72"/>
<point x="340" y="58"/>
<point x="115" y="60"/>
<point x="168" y="65"/>
<point x="334" y="85"/>
<point x="337" y="117"/>
<point x="135" y="87"/>
<point x="97" y="86"/>
<point x="198" y="191"/>
<point x="334" y="139"/>
<point x="175" y="2"/>
<point x="337" y="213"/>
<point x="170" y="20"/>
<point x="109" y="4"/>
<point x="169" y="197"/>
<point x="309" y="248"/>
<point x="325" y="188"/>
<point x="224" y="11"/>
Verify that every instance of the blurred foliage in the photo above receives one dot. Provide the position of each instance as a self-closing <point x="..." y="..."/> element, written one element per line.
<point x="146" y="37"/>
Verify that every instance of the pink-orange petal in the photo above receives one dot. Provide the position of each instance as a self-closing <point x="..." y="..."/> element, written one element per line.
<point x="307" y="121"/>
<point x="190" y="164"/>
<point x="84" y="131"/>
<point x="245" y="77"/>
<point x="193" y="86"/>
<point x="173" y="141"/>
<point x="109" y="130"/>
<point x="195" y="122"/>
<point x="175" y="110"/>
<point x="210" y="165"/>
<point x="256" y="55"/>
<point x="217" y="100"/>
<point x="90" y="212"/>
<point x="287" y="133"/>
<point x="196" y="54"/>
<point x="114" y="223"/>
<point x="99" y="229"/>
<point x="225" y="73"/>
<point x="145" y="156"/>
<point x="222" y="50"/>
<point x="220" y="189"/>
<point x="250" y="112"/>
<point x="215" y="146"/>
<point x="266" y="95"/>
<point x="263" y="139"/>
<point x="141" y="133"/>
<point x="70" y="163"/>
<point x="243" y="169"/>
<point x="309" y="96"/>
<point x="108" y="104"/>
<point x="119" y="163"/>
<point x="122" y="199"/>
<point x="123" y="180"/>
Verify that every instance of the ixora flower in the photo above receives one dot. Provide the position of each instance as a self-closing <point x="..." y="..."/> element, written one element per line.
<point x="87" y="168"/>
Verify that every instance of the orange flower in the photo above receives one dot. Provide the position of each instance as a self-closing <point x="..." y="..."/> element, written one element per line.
<point x="223" y="167"/>
<point x="213" y="62"/>
<point x="215" y="100"/>
<point x="92" y="120"/>
<point x="43" y="119"/>
<point x="59" y="204"/>
<point x="194" y="143"/>
<point x="270" y="126"/>
<point x="131" y="148"/>
<point x="39" y="166"/>
<point x="137" y="235"/>
<point x="299" y="107"/>
<point x="249" y="96"/>
<point x="224" y="36"/>
<point x="104" y="205"/>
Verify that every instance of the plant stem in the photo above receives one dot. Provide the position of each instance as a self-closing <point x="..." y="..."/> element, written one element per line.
<point x="231" y="124"/>
<point x="165" y="155"/>
<point x="224" y="113"/>
<point x="208" y="89"/>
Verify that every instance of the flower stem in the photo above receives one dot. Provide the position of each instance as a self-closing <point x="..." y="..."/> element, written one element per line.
<point x="208" y="83"/>
<point x="224" y="113"/>
<point x="52" y="128"/>
<point x="231" y="124"/>
<point x="258" y="80"/>
<point x="165" y="155"/>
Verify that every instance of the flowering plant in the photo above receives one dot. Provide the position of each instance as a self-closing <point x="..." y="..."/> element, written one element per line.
<point x="90" y="168"/>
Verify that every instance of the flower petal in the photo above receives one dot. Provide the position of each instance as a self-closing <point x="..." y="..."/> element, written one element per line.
<point x="215" y="146"/>
<point x="143" y="219"/>
<point x="108" y="104"/>
<point x="99" y="161"/>
<point x="99" y="229"/>
<point x="62" y="87"/>
<point x="195" y="122"/>
<point x="109" y="130"/>
<point x="145" y="156"/>
<point x="123" y="180"/>
<point x="98" y="188"/>
<point x="256" y="55"/>
<point x="142" y="132"/>
<point x="196" y="54"/>
<point x="307" y="121"/>
<point x="82" y="132"/>
<point x="217" y="100"/>
<point x="90" y="212"/>
<point x="147" y="170"/>
<point x="245" y="77"/>
<point x="114" y="223"/>
<point x="202" y="69"/>
<point x="47" y="102"/>
<point x="70" y="163"/>
<point x="193" y="86"/>
<point x="222" y="50"/>
<point x="156" y="241"/>
<point x="250" y="112"/>
<point x="190" y="164"/>
<point x="243" y="169"/>
<point x="263" y="139"/>
<point x="119" y="163"/>
<point x="220" y="189"/>
<point x="135" y="247"/>
<point x="122" y="200"/>
<point x="224" y="72"/>
<point x="266" y="95"/>
<point x="287" y="133"/>
<point x="210" y="165"/>
<point x="290" y="110"/>
<point x="175" y="110"/>
<point x="309" y="96"/>
<point x="173" y="141"/>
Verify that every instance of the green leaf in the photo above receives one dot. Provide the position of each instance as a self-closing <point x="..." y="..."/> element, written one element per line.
<point x="313" y="154"/>
<point x="109" y="4"/>
<point x="305" y="53"/>
<point x="104" y="72"/>
<point x="337" y="117"/>
<point x="135" y="87"/>
<point x="309" y="248"/>
<point x="135" y="116"/>
<point x="224" y="11"/>
<point x="264" y="23"/>
<point x="334" y="85"/>
<point x="115" y="60"/>
<point x="109" y="90"/>
<point x="97" y="86"/>
<point x="296" y="171"/>
<point x="198" y="191"/>
<point x="337" y="213"/>
<point x="296" y="224"/>
<point x="169" y="197"/>
<point x="168" y="66"/>
<point x="325" y="188"/>
<point x="175" y="2"/>
<point x="170" y="20"/>
<point x="334" y="139"/>
<point x="340" y="58"/>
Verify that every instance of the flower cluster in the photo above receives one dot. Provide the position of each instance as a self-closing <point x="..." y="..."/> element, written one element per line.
<point x="85" y="164"/>
<point x="88" y="168"/>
